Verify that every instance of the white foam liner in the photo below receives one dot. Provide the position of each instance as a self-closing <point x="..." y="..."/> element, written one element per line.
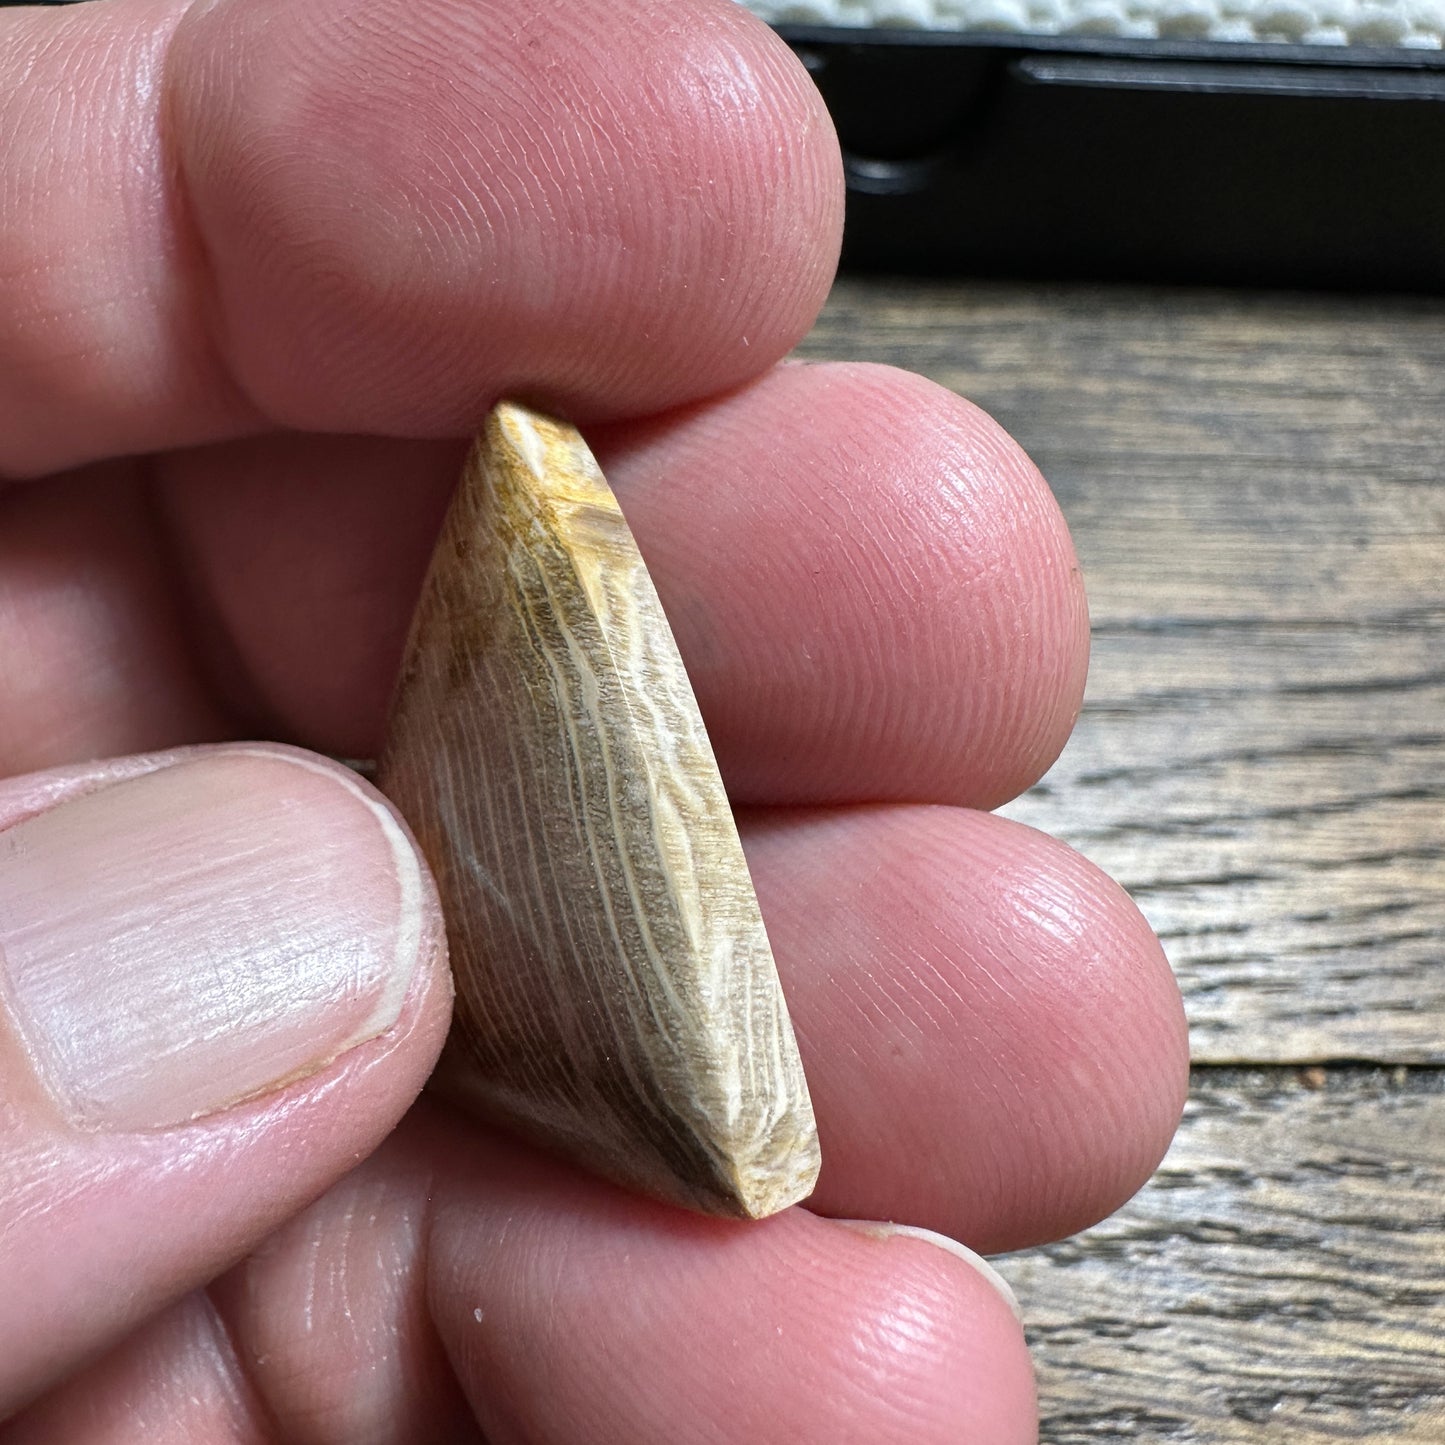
<point x="1417" y="23"/>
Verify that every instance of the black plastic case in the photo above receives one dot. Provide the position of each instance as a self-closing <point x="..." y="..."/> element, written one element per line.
<point x="1156" y="160"/>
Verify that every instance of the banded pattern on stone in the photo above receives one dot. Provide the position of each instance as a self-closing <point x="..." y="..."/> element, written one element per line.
<point x="616" y="994"/>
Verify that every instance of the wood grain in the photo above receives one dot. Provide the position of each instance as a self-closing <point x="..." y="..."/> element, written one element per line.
<point x="1283" y="1277"/>
<point x="616" y="994"/>
<point x="1254" y="485"/>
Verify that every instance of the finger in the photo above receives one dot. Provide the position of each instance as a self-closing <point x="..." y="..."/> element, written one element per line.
<point x="106" y="650"/>
<point x="104" y="345"/>
<point x="175" y="1381"/>
<point x="192" y="1375"/>
<point x="377" y="217"/>
<point x="871" y="585"/>
<point x="305" y="614"/>
<point x="221" y="982"/>
<point x="95" y="648"/>
<point x="993" y="1040"/>
<point x="661" y="1327"/>
<point x="570" y="1311"/>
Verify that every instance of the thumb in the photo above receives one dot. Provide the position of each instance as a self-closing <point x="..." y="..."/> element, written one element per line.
<point x="222" y="981"/>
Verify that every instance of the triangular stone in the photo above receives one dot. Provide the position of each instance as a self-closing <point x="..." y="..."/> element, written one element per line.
<point x="616" y="995"/>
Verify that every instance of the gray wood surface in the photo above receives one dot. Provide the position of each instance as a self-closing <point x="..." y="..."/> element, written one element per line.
<point x="1282" y="1278"/>
<point x="1256" y="485"/>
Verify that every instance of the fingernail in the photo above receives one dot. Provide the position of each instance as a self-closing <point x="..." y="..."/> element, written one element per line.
<point x="178" y="942"/>
<point x="883" y="1229"/>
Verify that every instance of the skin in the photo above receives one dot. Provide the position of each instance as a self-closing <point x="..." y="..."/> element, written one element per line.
<point x="262" y="267"/>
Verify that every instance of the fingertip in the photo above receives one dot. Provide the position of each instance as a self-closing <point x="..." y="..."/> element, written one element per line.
<point x="605" y="208"/>
<point x="222" y="982"/>
<point x="677" y="1328"/>
<point x="266" y="905"/>
<point x="995" y="1043"/>
<point x="887" y="606"/>
<point x="887" y="1229"/>
<point x="982" y="1382"/>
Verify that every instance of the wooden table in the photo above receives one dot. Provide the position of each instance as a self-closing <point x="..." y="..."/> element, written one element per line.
<point x="1256" y="485"/>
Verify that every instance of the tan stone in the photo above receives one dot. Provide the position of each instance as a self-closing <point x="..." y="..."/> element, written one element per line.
<point x="616" y="995"/>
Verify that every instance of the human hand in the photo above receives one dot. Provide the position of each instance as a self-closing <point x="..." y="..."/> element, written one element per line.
<point x="262" y="264"/>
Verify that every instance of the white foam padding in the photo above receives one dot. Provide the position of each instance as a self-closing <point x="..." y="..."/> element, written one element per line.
<point x="1418" y="23"/>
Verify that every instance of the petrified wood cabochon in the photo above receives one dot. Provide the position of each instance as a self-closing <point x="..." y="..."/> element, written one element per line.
<point x="616" y="995"/>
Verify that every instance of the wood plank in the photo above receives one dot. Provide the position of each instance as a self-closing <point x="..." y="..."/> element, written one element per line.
<point x="1256" y="486"/>
<point x="1283" y="1277"/>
